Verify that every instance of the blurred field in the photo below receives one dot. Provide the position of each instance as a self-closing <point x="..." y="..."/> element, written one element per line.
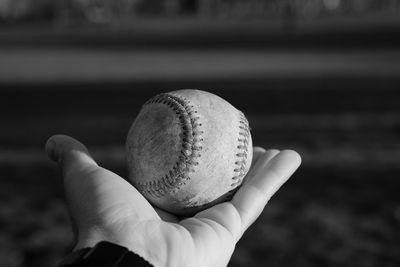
<point x="338" y="108"/>
<point x="342" y="207"/>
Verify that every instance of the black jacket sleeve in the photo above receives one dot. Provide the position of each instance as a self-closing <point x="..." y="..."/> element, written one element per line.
<point x="104" y="254"/>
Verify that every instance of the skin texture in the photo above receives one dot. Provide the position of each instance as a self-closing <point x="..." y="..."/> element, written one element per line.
<point x="104" y="206"/>
<point x="188" y="150"/>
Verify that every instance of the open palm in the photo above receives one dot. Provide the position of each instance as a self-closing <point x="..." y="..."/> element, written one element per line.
<point x="104" y="206"/>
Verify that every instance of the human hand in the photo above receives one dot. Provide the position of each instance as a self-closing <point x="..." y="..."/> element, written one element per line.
<point x="105" y="207"/>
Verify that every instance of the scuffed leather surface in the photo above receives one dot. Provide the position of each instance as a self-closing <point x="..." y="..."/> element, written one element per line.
<point x="153" y="143"/>
<point x="153" y="147"/>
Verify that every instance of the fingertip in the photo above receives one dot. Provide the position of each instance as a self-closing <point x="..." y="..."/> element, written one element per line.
<point x="58" y="144"/>
<point x="278" y="170"/>
<point x="293" y="156"/>
<point x="50" y="148"/>
<point x="274" y="169"/>
<point x="66" y="150"/>
<point x="258" y="150"/>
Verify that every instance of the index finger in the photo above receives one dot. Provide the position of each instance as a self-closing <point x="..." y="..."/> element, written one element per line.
<point x="252" y="197"/>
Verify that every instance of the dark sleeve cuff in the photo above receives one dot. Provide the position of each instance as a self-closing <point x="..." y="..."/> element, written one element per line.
<point x="104" y="254"/>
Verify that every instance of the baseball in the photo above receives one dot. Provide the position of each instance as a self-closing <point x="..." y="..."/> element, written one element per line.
<point x="188" y="150"/>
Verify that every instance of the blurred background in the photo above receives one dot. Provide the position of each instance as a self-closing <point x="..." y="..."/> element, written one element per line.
<point x="318" y="76"/>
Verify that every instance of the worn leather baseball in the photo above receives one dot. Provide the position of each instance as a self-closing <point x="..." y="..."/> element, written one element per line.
<point x="188" y="150"/>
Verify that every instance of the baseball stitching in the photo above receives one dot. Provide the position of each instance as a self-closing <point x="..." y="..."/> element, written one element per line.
<point x="191" y="137"/>
<point x="243" y="144"/>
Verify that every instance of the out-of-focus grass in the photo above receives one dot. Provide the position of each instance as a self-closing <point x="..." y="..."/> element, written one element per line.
<point x="34" y="224"/>
<point x="328" y="218"/>
<point x="322" y="217"/>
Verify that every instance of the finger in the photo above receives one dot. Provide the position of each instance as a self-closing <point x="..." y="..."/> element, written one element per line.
<point x="260" y="163"/>
<point x="70" y="154"/>
<point x="269" y="154"/>
<point x="87" y="184"/>
<point x="277" y="171"/>
<point x="257" y="153"/>
<point x="225" y="214"/>
<point x="267" y="177"/>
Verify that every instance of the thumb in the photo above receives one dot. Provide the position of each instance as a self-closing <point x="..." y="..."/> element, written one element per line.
<point x="70" y="154"/>
<point x="97" y="198"/>
<point x="74" y="161"/>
